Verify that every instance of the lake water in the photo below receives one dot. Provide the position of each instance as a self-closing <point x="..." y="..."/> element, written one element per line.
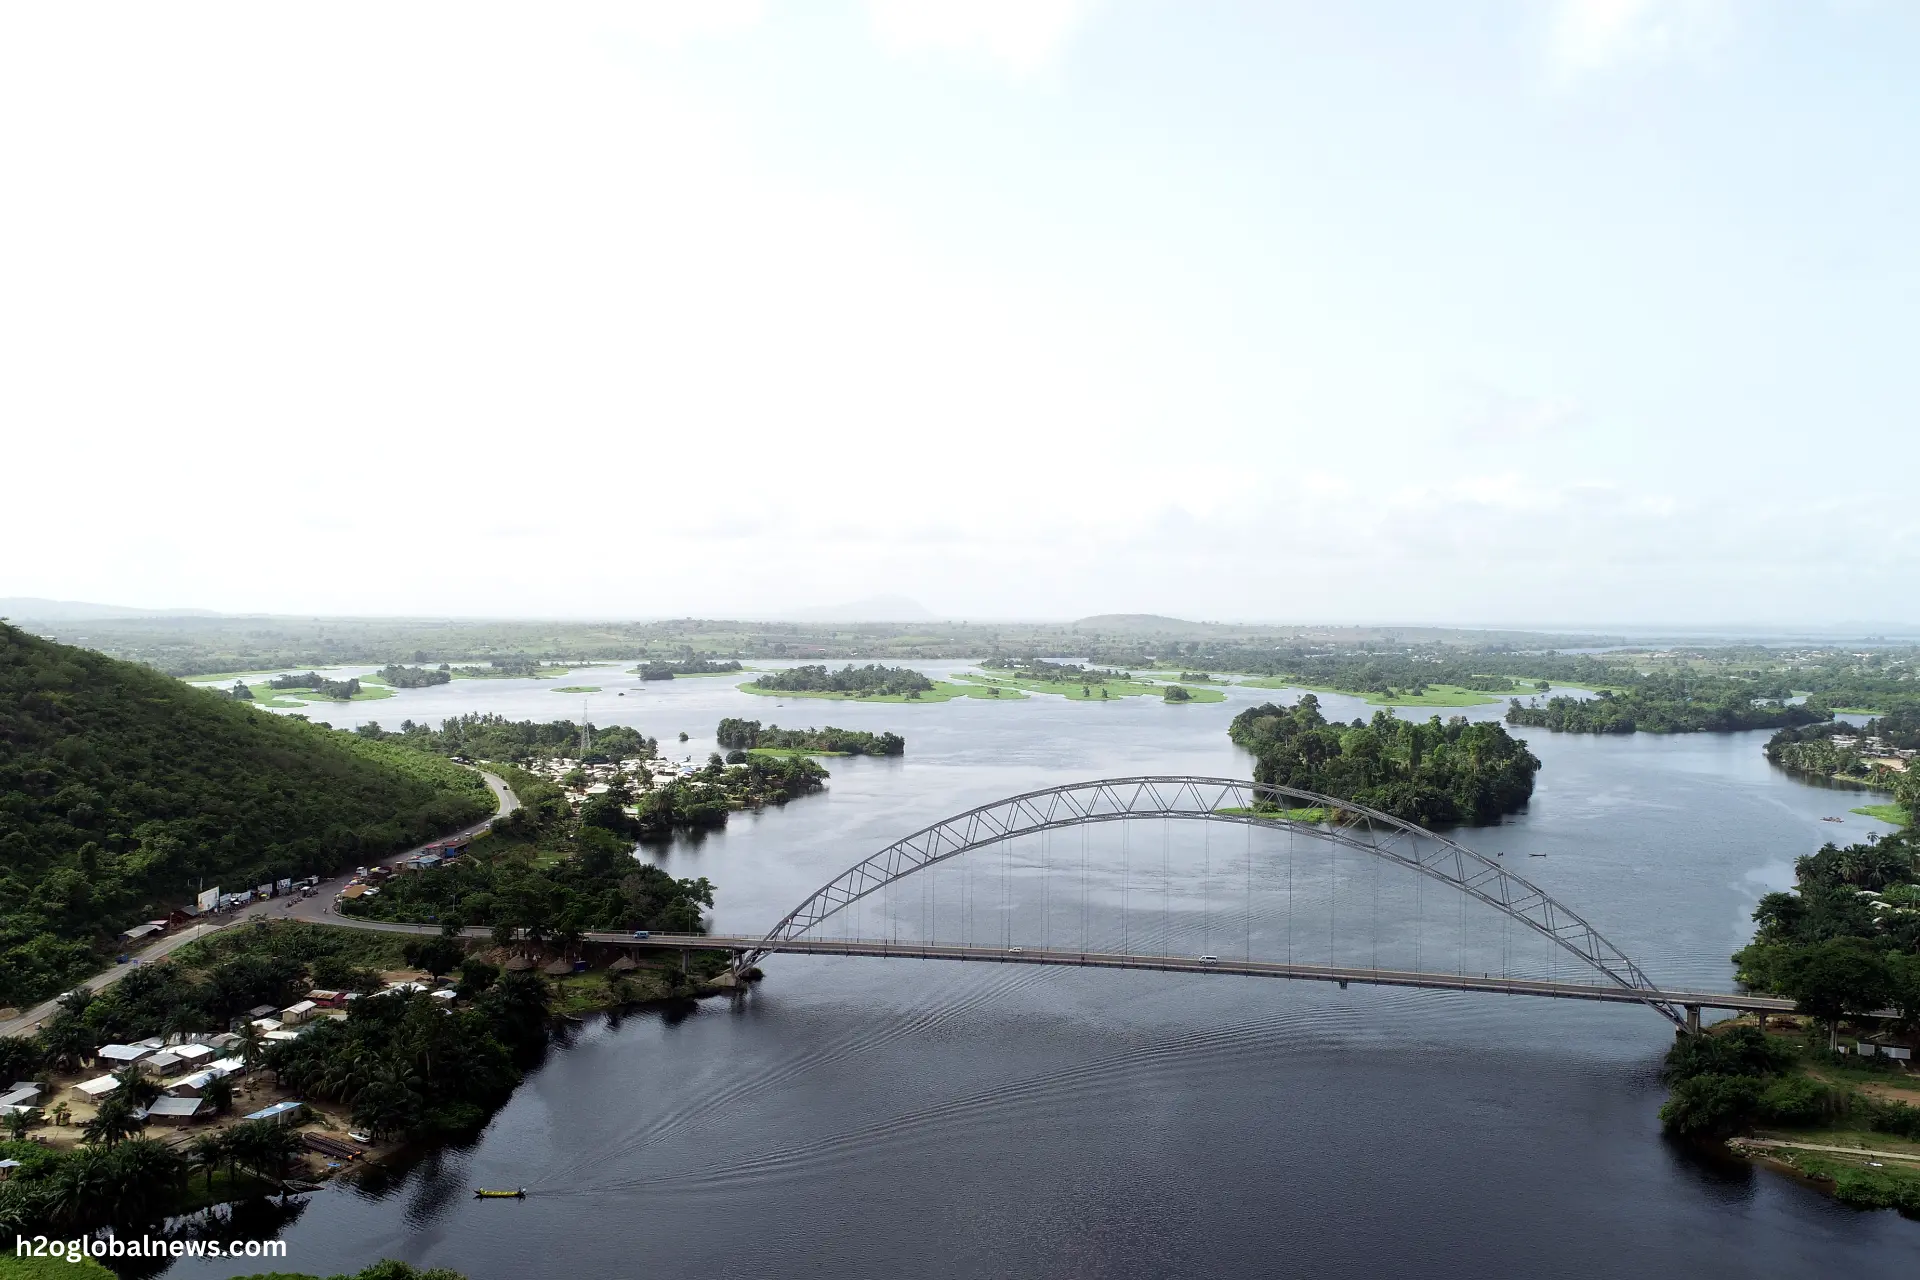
<point x="889" y="1118"/>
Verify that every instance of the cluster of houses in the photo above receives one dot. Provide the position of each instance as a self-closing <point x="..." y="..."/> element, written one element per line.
<point x="185" y="1067"/>
<point x="642" y="774"/>
<point x="1874" y="751"/>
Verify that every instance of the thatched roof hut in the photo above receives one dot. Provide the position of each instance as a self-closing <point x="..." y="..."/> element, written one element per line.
<point x="519" y="964"/>
<point x="625" y="964"/>
<point x="558" y="969"/>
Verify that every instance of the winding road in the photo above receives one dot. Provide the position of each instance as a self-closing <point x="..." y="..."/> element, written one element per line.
<point x="316" y="909"/>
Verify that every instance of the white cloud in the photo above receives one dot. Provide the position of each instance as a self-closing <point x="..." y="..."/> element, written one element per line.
<point x="1021" y="35"/>
<point x="1590" y="36"/>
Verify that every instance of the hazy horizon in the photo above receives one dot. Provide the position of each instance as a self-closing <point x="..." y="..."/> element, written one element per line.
<point x="1560" y="311"/>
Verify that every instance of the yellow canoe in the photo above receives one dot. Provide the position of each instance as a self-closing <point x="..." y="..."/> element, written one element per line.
<point x="518" y="1193"/>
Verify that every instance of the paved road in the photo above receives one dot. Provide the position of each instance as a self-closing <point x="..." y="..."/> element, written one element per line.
<point x="316" y="909"/>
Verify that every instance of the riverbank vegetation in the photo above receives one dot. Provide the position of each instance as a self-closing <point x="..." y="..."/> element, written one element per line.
<point x="1844" y="945"/>
<point x="1434" y="774"/>
<point x="748" y="735"/>
<point x="1848" y="1124"/>
<point x="121" y="788"/>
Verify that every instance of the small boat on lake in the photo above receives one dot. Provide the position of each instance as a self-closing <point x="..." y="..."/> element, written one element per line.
<point x="482" y="1193"/>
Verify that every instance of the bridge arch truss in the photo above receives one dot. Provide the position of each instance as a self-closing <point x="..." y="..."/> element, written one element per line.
<point x="1235" y="801"/>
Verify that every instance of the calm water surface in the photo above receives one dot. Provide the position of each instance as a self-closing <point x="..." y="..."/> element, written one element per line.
<point x="886" y="1118"/>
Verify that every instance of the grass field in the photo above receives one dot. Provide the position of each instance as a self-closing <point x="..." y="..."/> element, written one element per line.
<point x="265" y="695"/>
<point x="1892" y="813"/>
<point x="942" y="691"/>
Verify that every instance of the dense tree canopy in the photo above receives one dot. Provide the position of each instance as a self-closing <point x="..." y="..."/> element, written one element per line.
<point x="1669" y="703"/>
<point x="415" y="677"/>
<point x="494" y="737"/>
<point x="870" y="679"/>
<point x="1429" y="773"/>
<point x="745" y="735"/>
<point x="122" y="791"/>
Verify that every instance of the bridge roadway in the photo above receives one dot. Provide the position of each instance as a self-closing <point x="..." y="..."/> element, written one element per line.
<point x="1195" y="964"/>
<point x="740" y="943"/>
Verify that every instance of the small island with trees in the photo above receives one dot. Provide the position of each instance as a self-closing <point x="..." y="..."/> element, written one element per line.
<point x="1433" y="774"/>
<point x="400" y="677"/>
<point x="743" y="737"/>
<point x="869" y="683"/>
<point x="658" y="669"/>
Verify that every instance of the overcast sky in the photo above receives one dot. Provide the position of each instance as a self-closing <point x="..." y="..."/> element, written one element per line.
<point x="1598" y="311"/>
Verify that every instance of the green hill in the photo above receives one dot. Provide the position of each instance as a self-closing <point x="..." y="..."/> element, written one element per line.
<point x="122" y="789"/>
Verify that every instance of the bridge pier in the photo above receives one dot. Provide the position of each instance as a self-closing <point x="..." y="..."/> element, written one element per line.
<point x="1693" y="1019"/>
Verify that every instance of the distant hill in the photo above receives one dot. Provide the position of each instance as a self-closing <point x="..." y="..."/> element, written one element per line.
<point x="32" y="608"/>
<point x="123" y="790"/>
<point x="1137" y="622"/>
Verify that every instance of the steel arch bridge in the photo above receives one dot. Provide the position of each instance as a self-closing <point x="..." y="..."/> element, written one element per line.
<point x="1230" y="800"/>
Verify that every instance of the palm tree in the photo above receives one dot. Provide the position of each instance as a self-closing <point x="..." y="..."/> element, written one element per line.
<point x="17" y="1124"/>
<point x="62" y="1113"/>
<point x="253" y="1045"/>
<point x="116" y="1120"/>
<point x="219" y="1095"/>
<point x="207" y="1151"/>
<point x="135" y="1086"/>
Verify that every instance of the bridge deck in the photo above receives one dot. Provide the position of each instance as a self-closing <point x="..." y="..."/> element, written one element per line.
<point x="1194" y="964"/>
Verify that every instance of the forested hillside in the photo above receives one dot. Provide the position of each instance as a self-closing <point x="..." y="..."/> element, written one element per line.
<point x="123" y="790"/>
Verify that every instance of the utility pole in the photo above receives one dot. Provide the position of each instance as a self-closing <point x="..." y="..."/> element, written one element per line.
<point x="586" y="734"/>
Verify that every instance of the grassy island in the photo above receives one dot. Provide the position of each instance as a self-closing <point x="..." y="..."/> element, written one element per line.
<point x="870" y="683"/>
<point x="1422" y="695"/>
<point x="1078" y="683"/>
